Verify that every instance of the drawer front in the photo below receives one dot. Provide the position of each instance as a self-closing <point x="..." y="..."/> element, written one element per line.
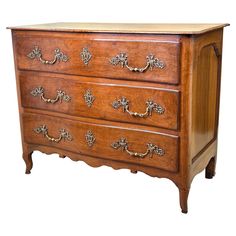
<point x="105" y="99"/>
<point x="110" y="142"/>
<point x="144" y="58"/>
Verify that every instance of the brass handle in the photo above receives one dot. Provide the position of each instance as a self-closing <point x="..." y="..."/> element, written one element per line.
<point x="151" y="106"/>
<point x="61" y="95"/>
<point x="58" y="56"/>
<point x="151" y="149"/>
<point x="152" y="62"/>
<point x="64" y="135"/>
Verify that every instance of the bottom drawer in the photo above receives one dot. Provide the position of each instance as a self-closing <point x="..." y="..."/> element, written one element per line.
<point x="118" y="143"/>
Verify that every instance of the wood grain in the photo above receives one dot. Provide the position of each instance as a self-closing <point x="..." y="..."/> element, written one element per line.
<point x="205" y="90"/>
<point x="122" y="28"/>
<point x="104" y="93"/>
<point x="104" y="137"/>
<point x="188" y="88"/>
<point x="185" y="114"/>
<point x="102" y="48"/>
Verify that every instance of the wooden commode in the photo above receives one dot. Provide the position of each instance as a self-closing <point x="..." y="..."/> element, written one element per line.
<point x="144" y="97"/>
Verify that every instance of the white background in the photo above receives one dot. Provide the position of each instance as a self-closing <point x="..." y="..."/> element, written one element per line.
<point x="62" y="197"/>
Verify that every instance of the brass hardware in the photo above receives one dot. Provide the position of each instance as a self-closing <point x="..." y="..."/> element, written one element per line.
<point x="152" y="62"/>
<point x="85" y="56"/>
<point x="151" y="149"/>
<point x="89" y="98"/>
<point x="64" y="135"/>
<point x="58" y="56"/>
<point x="90" y="138"/>
<point x="61" y="95"/>
<point x="151" y="106"/>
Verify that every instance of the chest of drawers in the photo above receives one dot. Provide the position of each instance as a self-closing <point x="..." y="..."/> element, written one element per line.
<point x="141" y="97"/>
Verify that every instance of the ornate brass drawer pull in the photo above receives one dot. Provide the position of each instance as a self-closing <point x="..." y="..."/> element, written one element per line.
<point x="61" y="95"/>
<point x="152" y="62"/>
<point x="151" y="106"/>
<point x="64" y="135"/>
<point x="151" y="149"/>
<point x="58" y="56"/>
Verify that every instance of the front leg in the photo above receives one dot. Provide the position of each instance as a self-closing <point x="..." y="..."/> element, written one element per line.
<point x="183" y="199"/>
<point x="27" y="156"/>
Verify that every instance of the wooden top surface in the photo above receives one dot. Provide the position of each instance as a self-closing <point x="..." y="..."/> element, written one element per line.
<point x="123" y="28"/>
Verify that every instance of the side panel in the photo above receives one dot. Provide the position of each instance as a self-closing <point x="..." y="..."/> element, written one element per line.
<point x="205" y="91"/>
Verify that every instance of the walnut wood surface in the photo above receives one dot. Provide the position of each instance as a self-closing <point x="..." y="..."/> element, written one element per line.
<point x="189" y="87"/>
<point x="172" y="28"/>
<point x="104" y="93"/>
<point x="205" y="90"/>
<point x="104" y="137"/>
<point x="103" y="48"/>
<point x="184" y="162"/>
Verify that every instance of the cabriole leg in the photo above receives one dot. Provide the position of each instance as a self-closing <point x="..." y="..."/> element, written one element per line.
<point x="183" y="199"/>
<point x="27" y="156"/>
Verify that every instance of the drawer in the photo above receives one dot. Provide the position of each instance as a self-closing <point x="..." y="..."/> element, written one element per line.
<point x="105" y="141"/>
<point x="130" y="57"/>
<point x="106" y="99"/>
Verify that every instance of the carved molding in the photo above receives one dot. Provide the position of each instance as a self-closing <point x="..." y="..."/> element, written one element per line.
<point x="93" y="162"/>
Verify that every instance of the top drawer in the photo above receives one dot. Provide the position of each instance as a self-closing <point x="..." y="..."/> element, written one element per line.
<point x="133" y="57"/>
